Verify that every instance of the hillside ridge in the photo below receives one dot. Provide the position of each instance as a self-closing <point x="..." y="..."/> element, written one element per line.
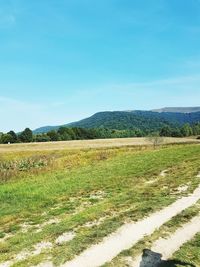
<point x="132" y="119"/>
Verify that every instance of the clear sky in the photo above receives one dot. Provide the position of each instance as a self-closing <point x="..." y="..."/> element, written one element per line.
<point x="63" y="60"/>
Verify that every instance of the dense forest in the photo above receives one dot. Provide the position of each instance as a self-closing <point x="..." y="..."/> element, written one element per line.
<point x="143" y="120"/>
<point x="77" y="133"/>
<point x="129" y="120"/>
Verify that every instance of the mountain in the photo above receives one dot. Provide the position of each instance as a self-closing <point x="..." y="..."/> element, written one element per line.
<point x="45" y="129"/>
<point x="143" y="120"/>
<point x="178" y="109"/>
<point x="138" y="119"/>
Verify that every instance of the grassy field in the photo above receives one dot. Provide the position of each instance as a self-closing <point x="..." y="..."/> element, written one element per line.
<point x="89" y="189"/>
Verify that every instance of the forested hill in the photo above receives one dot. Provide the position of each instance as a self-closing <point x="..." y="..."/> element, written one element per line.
<point x="144" y="120"/>
<point x="121" y="120"/>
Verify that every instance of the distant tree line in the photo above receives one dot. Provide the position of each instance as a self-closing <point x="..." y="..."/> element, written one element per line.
<point x="11" y="137"/>
<point x="76" y="133"/>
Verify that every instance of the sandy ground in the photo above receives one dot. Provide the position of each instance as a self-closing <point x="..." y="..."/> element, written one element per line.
<point x="65" y="237"/>
<point x="129" y="234"/>
<point x="84" y="144"/>
<point x="167" y="247"/>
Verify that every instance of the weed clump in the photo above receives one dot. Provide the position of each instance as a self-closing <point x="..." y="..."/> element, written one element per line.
<point x="12" y="168"/>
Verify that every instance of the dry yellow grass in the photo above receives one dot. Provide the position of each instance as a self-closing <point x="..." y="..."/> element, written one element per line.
<point x="86" y="144"/>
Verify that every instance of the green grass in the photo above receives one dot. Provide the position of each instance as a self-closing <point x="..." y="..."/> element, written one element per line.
<point x="190" y="252"/>
<point x="67" y="188"/>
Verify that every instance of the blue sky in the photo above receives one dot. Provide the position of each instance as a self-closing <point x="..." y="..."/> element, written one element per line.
<point x="63" y="60"/>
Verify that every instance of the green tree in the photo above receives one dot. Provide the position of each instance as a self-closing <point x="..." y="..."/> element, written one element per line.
<point x="54" y="136"/>
<point x="6" y="138"/>
<point x="42" y="138"/>
<point x="165" y="131"/>
<point x="186" y="130"/>
<point x="26" y="136"/>
<point x="14" y="138"/>
<point x="176" y="132"/>
<point x="196" y="128"/>
<point x="155" y="139"/>
<point x="65" y="134"/>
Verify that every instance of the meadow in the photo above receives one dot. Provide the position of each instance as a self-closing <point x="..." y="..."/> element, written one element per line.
<point x="58" y="199"/>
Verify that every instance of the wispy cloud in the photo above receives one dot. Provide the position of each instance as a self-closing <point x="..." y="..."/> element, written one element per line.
<point x="182" y="82"/>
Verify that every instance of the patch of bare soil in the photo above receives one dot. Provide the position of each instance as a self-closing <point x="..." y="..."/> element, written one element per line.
<point x="65" y="237"/>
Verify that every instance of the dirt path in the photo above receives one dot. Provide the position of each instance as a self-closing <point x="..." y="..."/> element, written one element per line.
<point x="129" y="234"/>
<point x="167" y="247"/>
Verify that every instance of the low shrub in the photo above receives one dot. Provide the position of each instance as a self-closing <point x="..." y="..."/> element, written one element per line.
<point x="12" y="168"/>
